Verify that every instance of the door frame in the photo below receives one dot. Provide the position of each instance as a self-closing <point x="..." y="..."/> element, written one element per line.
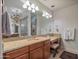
<point x="1" y="52"/>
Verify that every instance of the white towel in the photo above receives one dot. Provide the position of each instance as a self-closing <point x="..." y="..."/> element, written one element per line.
<point x="69" y="34"/>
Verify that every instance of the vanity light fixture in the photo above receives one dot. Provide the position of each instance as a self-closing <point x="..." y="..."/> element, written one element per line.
<point x="24" y="6"/>
<point x="43" y="13"/>
<point x="27" y="3"/>
<point x="36" y="8"/>
<point x="29" y="8"/>
<point x="46" y="14"/>
<point x="33" y="10"/>
<point x="33" y="6"/>
<point x="50" y="16"/>
<point x="47" y="17"/>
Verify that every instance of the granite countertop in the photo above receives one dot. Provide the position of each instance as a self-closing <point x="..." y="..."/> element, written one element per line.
<point x="55" y="37"/>
<point x="12" y="45"/>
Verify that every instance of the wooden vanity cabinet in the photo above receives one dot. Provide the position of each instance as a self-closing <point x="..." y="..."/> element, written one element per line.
<point x="40" y="50"/>
<point x="36" y="54"/>
<point x="36" y="51"/>
<point x="24" y="56"/>
<point x="46" y="49"/>
<point x="21" y="53"/>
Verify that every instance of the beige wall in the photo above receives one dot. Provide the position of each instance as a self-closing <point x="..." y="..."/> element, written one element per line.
<point x="67" y="18"/>
<point x="64" y="18"/>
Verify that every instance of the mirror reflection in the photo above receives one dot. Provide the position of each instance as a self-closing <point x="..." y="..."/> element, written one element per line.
<point x="22" y="19"/>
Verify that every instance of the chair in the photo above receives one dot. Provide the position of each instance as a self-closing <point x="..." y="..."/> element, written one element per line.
<point x="55" y="46"/>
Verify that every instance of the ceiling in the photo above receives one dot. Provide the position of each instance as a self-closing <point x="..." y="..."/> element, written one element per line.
<point x="13" y="5"/>
<point x="58" y="3"/>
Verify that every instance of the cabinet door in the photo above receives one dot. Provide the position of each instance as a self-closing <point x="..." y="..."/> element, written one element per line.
<point x="25" y="56"/>
<point x="47" y="51"/>
<point x="36" y="54"/>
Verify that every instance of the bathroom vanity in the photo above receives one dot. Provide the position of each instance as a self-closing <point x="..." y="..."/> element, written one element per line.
<point x="27" y="49"/>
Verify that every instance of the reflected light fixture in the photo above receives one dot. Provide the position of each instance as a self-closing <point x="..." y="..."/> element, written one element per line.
<point x="24" y="6"/>
<point x="50" y="16"/>
<point x="43" y="15"/>
<point x="29" y="8"/>
<point x="33" y="10"/>
<point x="37" y="9"/>
<point x="32" y="6"/>
<point x="27" y="3"/>
<point x="47" y="17"/>
<point x="46" y="14"/>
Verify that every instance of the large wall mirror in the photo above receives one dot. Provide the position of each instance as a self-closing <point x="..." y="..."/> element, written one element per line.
<point x="19" y="20"/>
<point x="16" y="19"/>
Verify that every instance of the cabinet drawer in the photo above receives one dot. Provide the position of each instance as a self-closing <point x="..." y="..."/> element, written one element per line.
<point x="35" y="46"/>
<point x="24" y="56"/>
<point x="16" y="52"/>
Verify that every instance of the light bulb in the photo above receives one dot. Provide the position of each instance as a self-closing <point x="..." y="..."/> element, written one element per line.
<point x="46" y="13"/>
<point x="24" y="6"/>
<point x="47" y="17"/>
<point x="32" y="6"/>
<point x="37" y="8"/>
<point x="43" y="14"/>
<point x="50" y="16"/>
<point x="27" y="3"/>
<point x="29" y="8"/>
<point x="33" y="11"/>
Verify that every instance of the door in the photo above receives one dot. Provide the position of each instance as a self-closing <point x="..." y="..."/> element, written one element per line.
<point x="1" y="51"/>
<point x="36" y="54"/>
